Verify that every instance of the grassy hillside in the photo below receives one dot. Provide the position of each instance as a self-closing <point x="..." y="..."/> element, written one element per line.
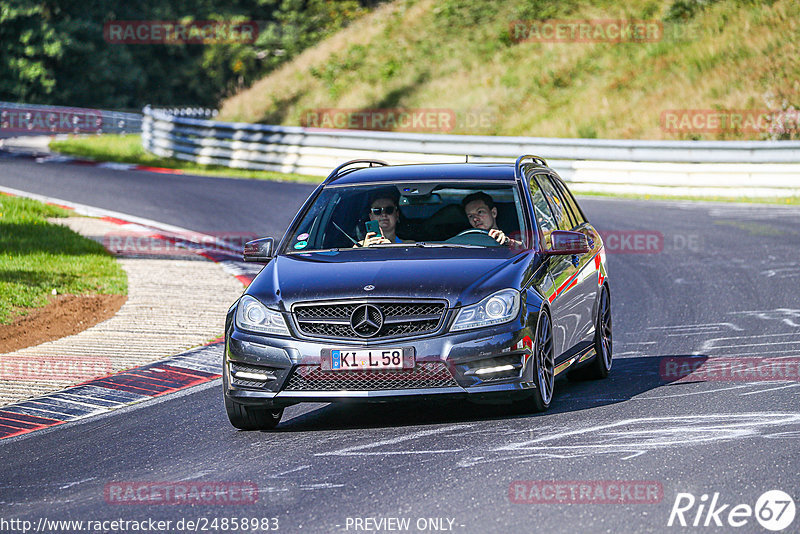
<point x="460" y="55"/>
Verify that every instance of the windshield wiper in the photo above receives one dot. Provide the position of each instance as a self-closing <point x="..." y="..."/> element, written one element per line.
<point x="356" y="243"/>
<point x="443" y="245"/>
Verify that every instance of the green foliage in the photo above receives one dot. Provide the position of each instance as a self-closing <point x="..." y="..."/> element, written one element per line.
<point x="685" y="9"/>
<point x="333" y="74"/>
<point x="54" y="51"/>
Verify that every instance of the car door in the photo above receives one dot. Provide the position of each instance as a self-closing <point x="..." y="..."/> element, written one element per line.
<point x="574" y="288"/>
<point x="585" y="288"/>
<point x="549" y="212"/>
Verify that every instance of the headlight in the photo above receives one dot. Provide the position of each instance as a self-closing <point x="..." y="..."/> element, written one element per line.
<point x="253" y="316"/>
<point x="501" y="307"/>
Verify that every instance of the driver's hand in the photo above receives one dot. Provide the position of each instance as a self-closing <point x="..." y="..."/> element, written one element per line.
<point x="374" y="239"/>
<point x="499" y="236"/>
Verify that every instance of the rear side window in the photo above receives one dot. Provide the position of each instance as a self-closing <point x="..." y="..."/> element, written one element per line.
<point x="570" y="201"/>
<point x="544" y="217"/>
<point x="557" y="205"/>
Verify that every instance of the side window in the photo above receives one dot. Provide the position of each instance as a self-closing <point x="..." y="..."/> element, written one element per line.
<point x="559" y="209"/>
<point x="570" y="200"/>
<point x="544" y="217"/>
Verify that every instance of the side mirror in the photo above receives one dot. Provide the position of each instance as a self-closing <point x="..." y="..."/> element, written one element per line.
<point x="563" y="242"/>
<point x="258" y="250"/>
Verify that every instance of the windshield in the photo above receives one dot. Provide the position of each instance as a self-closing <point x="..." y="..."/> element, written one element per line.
<point x="435" y="214"/>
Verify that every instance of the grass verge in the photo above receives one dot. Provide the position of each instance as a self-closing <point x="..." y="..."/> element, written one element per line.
<point x="37" y="257"/>
<point x="128" y="149"/>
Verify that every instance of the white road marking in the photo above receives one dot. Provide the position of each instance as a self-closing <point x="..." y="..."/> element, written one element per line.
<point x="321" y="485"/>
<point x="360" y="449"/>
<point x="706" y="392"/>
<point x="732" y="326"/>
<point x="624" y="437"/>
<point x="785" y="315"/>
<point x="709" y="344"/>
<point x="792" y="353"/>
<point x="781" y="272"/>
<point x="70" y="484"/>
<point x="634" y="455"/>
<point x="296" y="469"/>
<point x="771" y="343"/>
<point x="770" y="389"/>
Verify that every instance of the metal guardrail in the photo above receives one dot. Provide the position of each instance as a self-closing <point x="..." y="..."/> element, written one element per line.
<point x="43" y="120"/>
<point x="765" y="168"/>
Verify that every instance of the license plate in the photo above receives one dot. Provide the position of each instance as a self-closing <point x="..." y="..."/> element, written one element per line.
<point x="367" y="359"/>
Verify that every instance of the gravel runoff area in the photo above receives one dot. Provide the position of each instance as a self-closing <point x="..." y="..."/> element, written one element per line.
<point x="174" y="304"/>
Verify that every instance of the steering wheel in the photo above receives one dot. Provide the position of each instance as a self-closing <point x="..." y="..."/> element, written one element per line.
<point x="474" y="236"/>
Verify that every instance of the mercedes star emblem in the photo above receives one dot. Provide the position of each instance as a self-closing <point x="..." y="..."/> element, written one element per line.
<point x="366" y="320"/>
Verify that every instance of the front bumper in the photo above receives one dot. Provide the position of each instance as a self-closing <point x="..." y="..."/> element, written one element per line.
<point x="446" y="366"/>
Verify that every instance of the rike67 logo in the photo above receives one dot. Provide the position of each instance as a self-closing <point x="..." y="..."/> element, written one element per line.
<point x="774" y="510"/>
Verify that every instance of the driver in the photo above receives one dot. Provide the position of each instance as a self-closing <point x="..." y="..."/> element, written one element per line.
<point x="482" y="213"/>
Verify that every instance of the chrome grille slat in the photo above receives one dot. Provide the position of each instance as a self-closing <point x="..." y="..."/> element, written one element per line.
<point x="425" y="375"/>
<point x="331" y="320"/>
<point x="409" y="318"/>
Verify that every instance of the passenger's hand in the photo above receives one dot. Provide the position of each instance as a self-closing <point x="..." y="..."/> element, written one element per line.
<point x="374" y="239"/>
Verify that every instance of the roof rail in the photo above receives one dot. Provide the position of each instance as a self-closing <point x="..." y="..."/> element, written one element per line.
<point x="536" y="159"/>
<point x="341" y="167"/>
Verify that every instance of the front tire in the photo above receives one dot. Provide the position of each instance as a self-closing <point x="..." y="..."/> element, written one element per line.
<point x="543" y="362"/>
<point x="246" y="417"/>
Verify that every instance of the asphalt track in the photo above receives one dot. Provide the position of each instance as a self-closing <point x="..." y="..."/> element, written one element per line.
<point x="723" y="284"/>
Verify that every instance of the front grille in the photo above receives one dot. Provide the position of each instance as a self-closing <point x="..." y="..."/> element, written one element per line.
<point x="400" y="319"/>
<point x="425" y="375"/>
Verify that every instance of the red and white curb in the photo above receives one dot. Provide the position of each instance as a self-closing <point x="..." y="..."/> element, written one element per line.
<point x="111" y="392"/>
<point x="104" y="394"/>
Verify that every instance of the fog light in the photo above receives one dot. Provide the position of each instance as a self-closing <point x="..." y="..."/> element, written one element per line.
<point x="246" y="375"/>
<point x="497" y="369"/>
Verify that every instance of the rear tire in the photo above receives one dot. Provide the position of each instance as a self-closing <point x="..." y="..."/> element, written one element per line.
<point x="600" y="366"/>
<point x="246" y="417"/>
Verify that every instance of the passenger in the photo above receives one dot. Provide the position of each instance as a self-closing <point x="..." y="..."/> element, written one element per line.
<point x="383" y="209"/>
<point x="482" y="213"/>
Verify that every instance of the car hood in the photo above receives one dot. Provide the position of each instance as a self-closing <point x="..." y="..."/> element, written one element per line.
<point x="462" y="276"/>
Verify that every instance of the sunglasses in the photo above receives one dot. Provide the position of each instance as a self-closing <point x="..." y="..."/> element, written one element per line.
<point x="388" y="210"/>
